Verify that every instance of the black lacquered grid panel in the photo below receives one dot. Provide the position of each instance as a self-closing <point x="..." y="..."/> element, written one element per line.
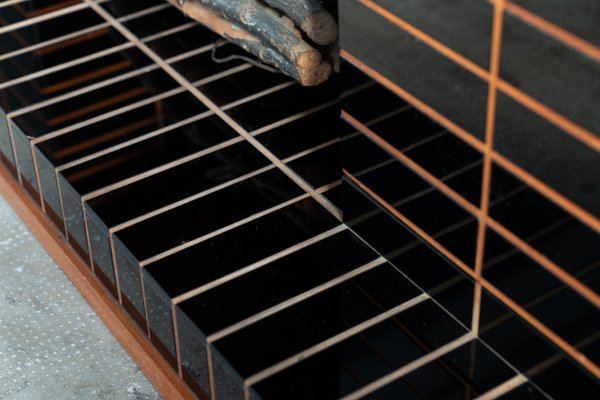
<point x="207" y="198"/>
<point x="508" y="205"/>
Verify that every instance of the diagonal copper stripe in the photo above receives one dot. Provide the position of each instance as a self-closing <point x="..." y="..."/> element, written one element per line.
<point x="514" y="306"/>
<point x="553" y="195"/>
<point x="569" y="126"/>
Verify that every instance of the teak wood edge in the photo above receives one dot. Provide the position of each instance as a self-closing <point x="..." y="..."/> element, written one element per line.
<point x="166" y="381"/>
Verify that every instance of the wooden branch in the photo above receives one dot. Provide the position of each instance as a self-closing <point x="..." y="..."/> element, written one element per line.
<point x="311" y="17"/>
<point x="308" y="74"/>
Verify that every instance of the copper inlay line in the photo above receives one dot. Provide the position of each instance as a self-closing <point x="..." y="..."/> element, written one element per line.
<point x="7" y="3"/>
<point x="515" y="307"/>
<point x="44" y="17"/>
<point x="415" y="167"/>
<point x="570" y="127"/>
<point x="504" y="388"/>
<point x="98" y="85"/>
<point x="557" y="198"/>
<point x="484" y="206"/>
<point x="219" y="112"/>
<point x="229" y="227"/>
<point x="332" y="341"/>
<point x="259" y="264"/>
<point x="174" y="163"/>
<point x="295" y="300"/>
<point x="81" y="32"/>
<point x="136" y="105"/>
<point x="66" y="65"/>
<point x="550" y="29"/>
<point x="46" y="9"/>
<point x="408" y="368"/>
<point x="91" y="57"/>
<point x="211" y="190"/>
<point x="177" y="344"/>
<point x="567" y="278"/>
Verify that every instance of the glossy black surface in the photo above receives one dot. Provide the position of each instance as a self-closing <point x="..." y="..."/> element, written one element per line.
<point x="551" y="72"/>
<point x="417" y="68"/>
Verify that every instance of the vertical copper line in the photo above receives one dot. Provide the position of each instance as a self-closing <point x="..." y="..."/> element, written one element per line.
<point x="113" y="256"/>
<point x="62" y="206"/>
<point x="14" y="149"/>
<point x="225" y="118"/>
<point x="553" y="195"/>
<point x="554" y="31"/>
<point x="176" y="337"/>
<point x="211" y="372"/>
<point x="37" y="176"/>
<point x="145" y="303"/>
<point x="469" y="390"/>
<point x="87" y="236"/>
<point x="484" y="208"/>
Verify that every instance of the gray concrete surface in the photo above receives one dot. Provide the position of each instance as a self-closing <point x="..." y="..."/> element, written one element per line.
<point x="52" y="344"/>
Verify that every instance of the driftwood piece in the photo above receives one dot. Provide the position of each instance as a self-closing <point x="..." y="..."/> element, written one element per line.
<point x="311" y="17"/>
<point x="269" y="27"/>
<point x="307" y="75"/>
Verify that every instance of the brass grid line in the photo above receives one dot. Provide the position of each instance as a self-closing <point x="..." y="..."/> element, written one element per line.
<point x="80" y="32"/>
<point x="220" y="113"/>
<point x="566" y="124"/>
<point x="552" y="336"/>
<point x="552" y="194"/>
<point x="549" y="265"/>
<point x="484" y="207"/>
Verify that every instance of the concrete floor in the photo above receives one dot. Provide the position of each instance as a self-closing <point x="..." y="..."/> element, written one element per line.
<point x="52" y="344"/>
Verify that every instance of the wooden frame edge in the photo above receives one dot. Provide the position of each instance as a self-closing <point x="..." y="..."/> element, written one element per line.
<point x="158" y="371"/>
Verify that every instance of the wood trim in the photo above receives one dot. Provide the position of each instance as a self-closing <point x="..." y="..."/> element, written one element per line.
<point x="158" y="371"/>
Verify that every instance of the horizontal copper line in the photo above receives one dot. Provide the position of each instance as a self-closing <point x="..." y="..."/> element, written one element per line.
<point x="415" y="167"/>
<point x="48" y="90"/>
<point x="49" y="8"/>
<point x="103" y="167"/>
<point x="504" y="388"/>
<point x="425" y="38"/>
<point x="107" y="136"/>
<point x="536" y="106"/>
<point x="412" y="197"/>
<point x="221" y="186"/>
<point x="85" y="59"/>
<point x="519" y="310"/>
<point x="410" y="367"/>
<point x="97" y="106"/>
<point x="551" y="29"/>
<point x="418" y="104"/>
<point x="520" y="379"/>
<point x="66" y="65"/>
<point x="138" y="139"/>
<point x="77" y="40"/>
<point x="259" y="264"/>
<point x="227" y="119"/>
<point x="295" y="300"/>
<point x="129" y="107"/>
<point x="229" y="227"/>
<point x="553" y="360"/>
<point x="189" y="199"/>
<point x="557" y="198"/>
<point x="540" y="299"/>
<point x="75" y="34"/>
<point x="558" y="341"/>
<point x="8" y="3"/>
<point x="45" y="17"/>
<point x="311" y="351"/>
<point x="546" y="263"/>
<point x="87" y="89"/>
<point x="169" y="165"/>
<point x="568" y="126"/>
